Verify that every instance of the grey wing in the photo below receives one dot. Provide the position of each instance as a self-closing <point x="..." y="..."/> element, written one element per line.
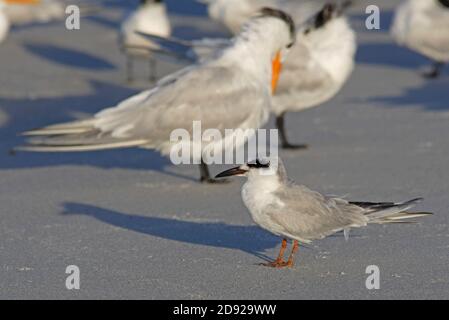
<point x="307" y="215"/>
<point x="219" y="97"/>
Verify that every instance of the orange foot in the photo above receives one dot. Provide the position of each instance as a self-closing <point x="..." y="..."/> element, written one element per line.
<point x="278" y="264"/>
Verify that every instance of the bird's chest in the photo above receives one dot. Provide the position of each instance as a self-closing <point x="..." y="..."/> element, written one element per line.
<point x="257" y="201"/>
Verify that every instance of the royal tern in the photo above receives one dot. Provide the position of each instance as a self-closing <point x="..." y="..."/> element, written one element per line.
<point x="151" y="17"/>
<point x="315" y="71"/>
<point x="232" y="91"/>
<point x="295" y="212"/>
<point x="422" y="25"/>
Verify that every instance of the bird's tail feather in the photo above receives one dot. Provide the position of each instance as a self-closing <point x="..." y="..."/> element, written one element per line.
<point x="391" y="212"/>
<point x="74" y="137"/>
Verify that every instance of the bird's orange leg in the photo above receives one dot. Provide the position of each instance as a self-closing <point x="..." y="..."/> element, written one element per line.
<point x="279" y="262"/>
<point x="291" y="261"/>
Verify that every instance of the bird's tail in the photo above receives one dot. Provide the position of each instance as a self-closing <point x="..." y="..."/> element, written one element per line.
<point x="388" y="212"/>
<point x="74" y="136"/>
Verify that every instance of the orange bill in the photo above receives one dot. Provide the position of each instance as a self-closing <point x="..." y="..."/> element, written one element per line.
<point x="277" y="68"/>
<point x="22" y="1"/>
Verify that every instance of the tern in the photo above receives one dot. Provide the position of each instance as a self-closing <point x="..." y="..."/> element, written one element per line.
<point x="234" y="13"/>
<point x="422" y="25"/>
<point x="232" y="91"/>
<point x="316" y="69"/>
<point x="22" y="12"/>
<point x="4" y="23"/>
<point x="151" y="17"/>
<point x="295" y="212"/>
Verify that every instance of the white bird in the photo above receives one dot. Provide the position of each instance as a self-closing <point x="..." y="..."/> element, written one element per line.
<point x="151" y="17"/>
<point x="232" y="91"/>
<point x="423" y="25"/>
<point x="20" y="12"/>
<point x="4" y="23"/>
<point x="315" y="71"/>
<point x="295" y="212"/>
<point x="234" y="13"/>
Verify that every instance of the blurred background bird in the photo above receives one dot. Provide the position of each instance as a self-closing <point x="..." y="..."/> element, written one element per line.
<point x="232" y="91"/>
<point x="20" y="12"/>
<point x="316" y="69"/>
<point x="4" y="23"/>
<point x="234" y="13"/>
<point x="151" y="17"/>
<point x="423" y="26"/>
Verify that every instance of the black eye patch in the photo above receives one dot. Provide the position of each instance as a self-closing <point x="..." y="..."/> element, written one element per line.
<point x="259" y="165"/>
<point x="324" y="15"/>
<point x="444" y="3"/>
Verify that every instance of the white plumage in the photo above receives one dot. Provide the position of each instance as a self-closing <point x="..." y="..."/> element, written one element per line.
<point x="231" y="91"/>
<point x="150" y="17"/>
<point x="422" y="25"/>
<point x="295" y="212"/>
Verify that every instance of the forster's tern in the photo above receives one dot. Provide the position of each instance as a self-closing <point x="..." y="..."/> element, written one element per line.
<point x="423" y="26"/>
<point x="316" y="69"/>
<point x="232" y="91"/>
<point x="150" y="17"/>
<point x="295" y="212"/>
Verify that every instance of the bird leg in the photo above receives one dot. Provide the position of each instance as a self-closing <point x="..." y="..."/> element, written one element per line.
<point x="291" y="261"/>
<point x="279" y="262"/>
<point x="280" y="124"/>
<point x="434" y="71"/>
<point x="152" y="65"/>
<point x="129" y="68"/>
<point x="205" y="175"/>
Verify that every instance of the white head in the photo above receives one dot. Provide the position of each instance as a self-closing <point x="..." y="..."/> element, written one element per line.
<point x="263" y="44"/>
<point x="262" y="171"/>
<point x="330" y="40"/>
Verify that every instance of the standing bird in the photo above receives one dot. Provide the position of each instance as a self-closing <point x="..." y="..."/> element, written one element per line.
<point x="423" y="26"/>
<point x="150" y="16"/>
<point x="232" y="91"/>
<point x="315" y="71"/>
<point x="295" y="212"/>
<point x="4" y="22"/>
<point x="22" y="12"/>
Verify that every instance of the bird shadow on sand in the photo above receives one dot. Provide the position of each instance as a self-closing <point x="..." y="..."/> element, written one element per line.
<point x="391" y="55"/>
<point x="23" y="114"/>
<point x="68" y="57"/>
<point x="249" y="239"/>
<point x="433" y="95"/>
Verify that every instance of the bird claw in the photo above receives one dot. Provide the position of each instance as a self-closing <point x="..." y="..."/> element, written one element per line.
<point x="277" y="264"/>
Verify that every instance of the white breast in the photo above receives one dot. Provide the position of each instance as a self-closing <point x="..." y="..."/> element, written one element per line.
<point x="150" y="19"/>
<point x="257" y="195"/>
<point x="4" y="25"/>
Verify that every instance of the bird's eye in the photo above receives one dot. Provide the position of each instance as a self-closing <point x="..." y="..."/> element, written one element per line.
<point x="307" y="31"/>
<point x="290" y="45"/>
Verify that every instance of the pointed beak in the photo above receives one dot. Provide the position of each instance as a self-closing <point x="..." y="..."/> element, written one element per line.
<point x="277" y="68"/>
<point x="231" y="172"/>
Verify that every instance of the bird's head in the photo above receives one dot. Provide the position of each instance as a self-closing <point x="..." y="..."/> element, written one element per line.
<point x="260" y="168"/>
